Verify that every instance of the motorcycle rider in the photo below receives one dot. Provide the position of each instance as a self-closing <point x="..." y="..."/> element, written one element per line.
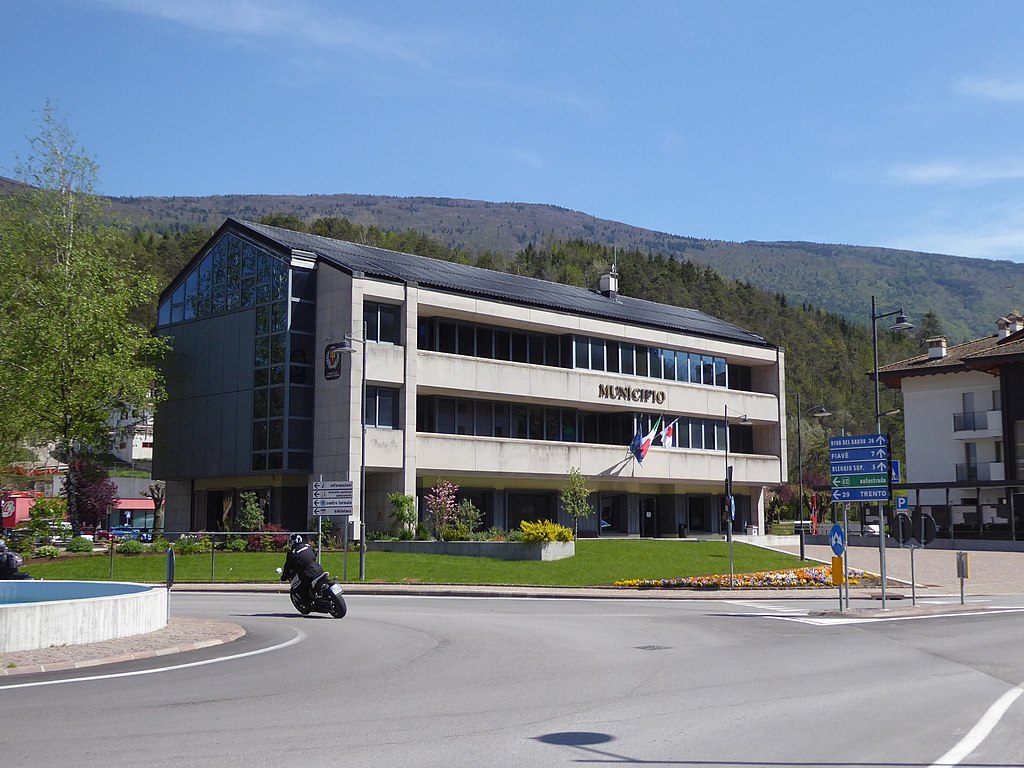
<point x="301" y="561"/>
<point x="9" y="563"/>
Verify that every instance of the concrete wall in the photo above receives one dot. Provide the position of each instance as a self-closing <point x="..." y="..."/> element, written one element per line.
<point x="38" y="614"/>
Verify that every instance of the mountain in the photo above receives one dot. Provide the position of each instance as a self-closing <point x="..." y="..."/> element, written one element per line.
<point x="967" y="295"/>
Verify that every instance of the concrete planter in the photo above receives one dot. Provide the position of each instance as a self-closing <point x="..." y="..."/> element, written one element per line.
<point x="499" y="550"/>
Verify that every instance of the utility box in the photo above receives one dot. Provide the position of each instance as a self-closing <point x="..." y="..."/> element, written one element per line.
<point x="963" y="565"/>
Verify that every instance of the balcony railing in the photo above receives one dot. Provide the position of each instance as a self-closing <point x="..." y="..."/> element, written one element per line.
<point x="966" y="473"/>
<point x="969" y="421"/>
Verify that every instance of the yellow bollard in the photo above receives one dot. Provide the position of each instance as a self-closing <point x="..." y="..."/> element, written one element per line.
<point x="837" y="571"/>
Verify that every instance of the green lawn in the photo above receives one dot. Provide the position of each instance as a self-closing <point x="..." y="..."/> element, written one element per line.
<point x="595" y="563"/>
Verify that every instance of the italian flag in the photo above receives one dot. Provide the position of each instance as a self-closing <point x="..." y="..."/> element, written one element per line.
<point x="641" y="445"/>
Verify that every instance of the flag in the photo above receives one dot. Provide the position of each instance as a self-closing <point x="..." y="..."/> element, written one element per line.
<point x="668" y="434"/>
<point x="642" y="443"/>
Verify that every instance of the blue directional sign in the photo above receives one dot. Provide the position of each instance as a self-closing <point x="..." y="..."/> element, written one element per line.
<point x="875" y="453"/>
<point x="858" y="441"/>
<point x="896" y="470"/>
<point x="860" y="468"/>
<point x="845" y="495"/>
<point x="837" y="538"/>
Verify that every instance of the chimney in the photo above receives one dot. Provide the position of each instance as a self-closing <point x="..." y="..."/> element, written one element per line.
<point x="1015" y="320"/>
<point x="610" y="284"/>
<point x="936" y="348"/>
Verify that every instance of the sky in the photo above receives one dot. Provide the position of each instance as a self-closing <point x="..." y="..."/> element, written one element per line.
<point x="867" y="123"/>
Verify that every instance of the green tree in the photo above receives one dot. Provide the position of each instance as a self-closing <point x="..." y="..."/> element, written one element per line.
<point x="68" y="272"/>
<point x="403" y="514"/>
<point x="250" y="513"/>
<point x="576" y="498"/>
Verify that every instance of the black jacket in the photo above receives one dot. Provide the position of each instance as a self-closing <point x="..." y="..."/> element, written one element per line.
<point x="301" y="561"/>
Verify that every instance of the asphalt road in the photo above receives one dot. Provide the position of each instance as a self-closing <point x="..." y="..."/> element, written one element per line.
<point x="420" y="681"/>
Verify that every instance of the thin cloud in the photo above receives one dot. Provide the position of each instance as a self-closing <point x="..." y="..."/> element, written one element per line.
<point x="991" y="89"/>
<point x="313" y="25"/>
<point x="953" y="173"/>
<point x="999" y="237"/>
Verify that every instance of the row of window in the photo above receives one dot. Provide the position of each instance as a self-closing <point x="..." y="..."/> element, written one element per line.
<point x="484" y="418"/>
<point x="437" y="334"/>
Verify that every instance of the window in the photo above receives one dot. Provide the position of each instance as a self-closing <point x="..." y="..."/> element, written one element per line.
<point x="582" y="350"/>
<point x="382" y="407"/>
<point x="383" y="322"/>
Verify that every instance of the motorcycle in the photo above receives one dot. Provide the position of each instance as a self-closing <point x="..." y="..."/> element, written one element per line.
<point x="324" y="596"/>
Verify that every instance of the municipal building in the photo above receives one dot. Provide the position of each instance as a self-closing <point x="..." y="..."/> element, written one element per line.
<point x="496" y="382"/>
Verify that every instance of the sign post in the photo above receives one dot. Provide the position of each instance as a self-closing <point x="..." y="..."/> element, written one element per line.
<point x="861" y="471"/>
<point x="837" y="539"/>
<point x="330" y="497"/>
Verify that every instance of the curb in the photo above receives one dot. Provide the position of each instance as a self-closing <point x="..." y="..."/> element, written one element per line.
<point x="230" y="633"/>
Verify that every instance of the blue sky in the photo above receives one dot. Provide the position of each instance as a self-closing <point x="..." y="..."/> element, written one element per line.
<point x="869" y="123"/>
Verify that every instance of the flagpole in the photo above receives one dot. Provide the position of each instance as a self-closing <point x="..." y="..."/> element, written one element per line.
<point x="728" y="498"/>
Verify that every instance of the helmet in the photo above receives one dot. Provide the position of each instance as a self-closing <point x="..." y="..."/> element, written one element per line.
<point x="295" y="540"/>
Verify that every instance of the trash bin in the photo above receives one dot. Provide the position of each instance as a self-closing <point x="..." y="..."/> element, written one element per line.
<point x="751" y="530"/>
<point x="683" y="530"/>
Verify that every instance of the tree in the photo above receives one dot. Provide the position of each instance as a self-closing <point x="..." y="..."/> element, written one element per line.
<point x="156" y="493"/>
<point x="69" y="287"/>
<point x="89" y="483"/>
<point x="576" y="498"/>
<point x="403" y="514"/>
<point x="250" y="513"/>
<point x="442" y="509"/>
<point x="929" y="327"/>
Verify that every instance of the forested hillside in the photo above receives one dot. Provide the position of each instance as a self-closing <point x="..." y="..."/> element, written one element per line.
<point x="968" y="295"/>
<point x="827" y="357"/>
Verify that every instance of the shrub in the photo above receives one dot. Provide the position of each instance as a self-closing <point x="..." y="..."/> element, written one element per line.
<point x="186" y="544"/>
<point x="515" y="535"/>
<point x="130" y="547"/>
<point x="271" y="537"/>
<point x="159" y="544"/>
<point x="48" y="550"/>
<point x="544" y="530"/>
<point x="457" y="532"/>
<point x="250" y="514"/>
<point x="422" y="532"/>
<point x="79" y="544"/>
<point x="380" y="536"/>
<point x="442" y="509"/>
<point x="236" y="544"/>
<point x="403" y="516"/>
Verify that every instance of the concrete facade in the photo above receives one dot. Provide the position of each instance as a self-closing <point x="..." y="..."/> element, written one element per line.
<point x="204" y="434"/>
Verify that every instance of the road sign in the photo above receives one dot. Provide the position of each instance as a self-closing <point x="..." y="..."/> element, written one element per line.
<point x="858" y="481"/>
<point x="339" y="494"/>
<point x="902" y="502"/>
<point x="903" y="528"/>
<point x="874" y="453"/>
<point x="859" y="468"/>
<point x="857" y="441"/>
<point x="895" y="470"/>
<point x="846" y="495"/>
<point x="837" y="538"/>
<point x="332" y="485"/>
<point x="332" y="504"/>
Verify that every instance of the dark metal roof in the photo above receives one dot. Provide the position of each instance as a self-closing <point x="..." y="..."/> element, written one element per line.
<point x="462" y="278"/>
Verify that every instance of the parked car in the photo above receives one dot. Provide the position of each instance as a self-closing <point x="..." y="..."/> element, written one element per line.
<point x="125" y="532"/>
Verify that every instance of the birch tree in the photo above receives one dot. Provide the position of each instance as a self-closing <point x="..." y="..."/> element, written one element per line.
<point x="73" y="355"/>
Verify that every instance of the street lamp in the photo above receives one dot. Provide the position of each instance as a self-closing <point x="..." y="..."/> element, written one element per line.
<point x="347" y="343"/>
<point x="818" y="412"/>
<point x="745" y="422"/>
<point x="901" y="324"/>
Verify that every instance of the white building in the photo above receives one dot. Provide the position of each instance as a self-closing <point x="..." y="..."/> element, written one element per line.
<point x="496" y="382"/>
<point x="964" y="421"/>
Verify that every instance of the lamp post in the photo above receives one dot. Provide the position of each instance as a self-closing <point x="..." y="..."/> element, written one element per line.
<point x="744" y="421"/>
<point x="901" y="324"/>
<point x="350" y="339"/>
<point x="819" y="412"/>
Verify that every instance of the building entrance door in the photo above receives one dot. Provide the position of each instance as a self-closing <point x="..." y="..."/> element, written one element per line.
<point x="697" y="511"/>
<point x="613" y="513"/>
<point x="649" y="516"/>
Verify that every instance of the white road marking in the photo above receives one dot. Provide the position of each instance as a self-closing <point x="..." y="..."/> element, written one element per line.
<point x="826" y="621"/>
<point x="299" y="637"/>
<point x="980" y="731"/>
<point x="767" y="607"/>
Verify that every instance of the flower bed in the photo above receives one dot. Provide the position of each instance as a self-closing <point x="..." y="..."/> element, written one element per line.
<point x="815" y="576"/>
